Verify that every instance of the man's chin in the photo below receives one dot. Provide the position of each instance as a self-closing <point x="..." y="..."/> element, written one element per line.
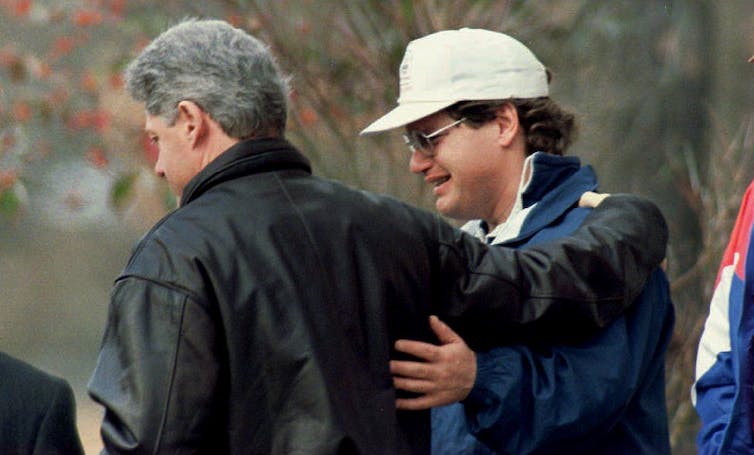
<point x="446" y="209"/>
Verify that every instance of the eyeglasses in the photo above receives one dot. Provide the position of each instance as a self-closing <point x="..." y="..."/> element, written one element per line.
<point x="425" y="143"/>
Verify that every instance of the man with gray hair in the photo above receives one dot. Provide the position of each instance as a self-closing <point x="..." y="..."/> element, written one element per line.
<point x="260" y="315"/>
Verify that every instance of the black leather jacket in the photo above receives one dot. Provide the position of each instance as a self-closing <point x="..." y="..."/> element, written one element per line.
<point x="259" y="316"/>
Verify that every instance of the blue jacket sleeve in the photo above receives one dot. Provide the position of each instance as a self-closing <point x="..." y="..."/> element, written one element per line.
<point x="716" y="396"/>
<point x="542" y="398"/>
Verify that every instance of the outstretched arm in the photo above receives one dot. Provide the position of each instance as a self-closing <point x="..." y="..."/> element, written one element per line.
<point x="572" y="285"/>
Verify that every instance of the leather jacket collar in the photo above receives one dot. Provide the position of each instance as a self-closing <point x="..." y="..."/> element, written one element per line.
<point x="251" y="156"/>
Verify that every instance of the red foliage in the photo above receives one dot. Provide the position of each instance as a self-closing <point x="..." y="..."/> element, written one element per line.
<point x="21" y="7"/>
<point x="22" y="111"/>
<point x="7" y="179"/>
<point x="98" y="120"/>
<point x="97" y="157"/>
<point x="63" y="45"/>
<point x="58" y="97"/>
<point x="141" y="43"/>
<point x="116" y="80"/>
<point x="88" y="82"/>
<point x="308" y="116"/>
<point x="117" y="7"/>
<point x="86" y="17"/>
<point x="235" y="20"/>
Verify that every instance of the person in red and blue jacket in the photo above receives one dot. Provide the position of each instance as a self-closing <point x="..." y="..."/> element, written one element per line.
<point x="723" y="393"/>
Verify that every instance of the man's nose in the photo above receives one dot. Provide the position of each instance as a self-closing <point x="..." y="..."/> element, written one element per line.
<point x="419" y="162"/>
<point x="158" y="169"/>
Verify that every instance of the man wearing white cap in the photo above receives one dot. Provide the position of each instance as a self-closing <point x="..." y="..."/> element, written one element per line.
<point x="484" y="133"/>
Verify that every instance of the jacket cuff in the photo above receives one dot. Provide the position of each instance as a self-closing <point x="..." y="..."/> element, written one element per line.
<point x="489" y="368"/>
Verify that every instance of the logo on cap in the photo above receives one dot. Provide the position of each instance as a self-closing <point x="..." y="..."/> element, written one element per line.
<point x="404" y="74"/>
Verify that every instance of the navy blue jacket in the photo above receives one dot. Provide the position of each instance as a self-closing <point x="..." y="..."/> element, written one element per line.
<point x="602" y="393"/>
<point x="37" y="411"/>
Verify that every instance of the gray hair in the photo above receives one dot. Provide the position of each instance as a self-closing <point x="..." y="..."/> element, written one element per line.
<point x="230" y="74"/>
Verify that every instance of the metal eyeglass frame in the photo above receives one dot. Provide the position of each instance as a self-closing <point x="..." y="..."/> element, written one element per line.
<point x="425" y="143"/>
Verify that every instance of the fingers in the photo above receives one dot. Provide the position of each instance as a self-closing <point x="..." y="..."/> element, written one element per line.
<point x="413" y="385"/>
<point x="409" y="369"/>
<point x="425" y="351"/>
<point x="444" y="374"/>
<point x="444" y="333"/>
<point x="417" y="404"/>
<point x="591" y="199"/>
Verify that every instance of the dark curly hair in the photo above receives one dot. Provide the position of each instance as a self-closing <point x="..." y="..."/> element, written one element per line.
<point x="547" y="127"/>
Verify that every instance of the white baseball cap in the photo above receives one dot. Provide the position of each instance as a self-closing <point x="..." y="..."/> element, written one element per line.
<point x="446" y="67"/>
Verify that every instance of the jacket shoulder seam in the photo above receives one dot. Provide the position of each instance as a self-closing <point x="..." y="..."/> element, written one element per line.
<point x="171" y="286"/>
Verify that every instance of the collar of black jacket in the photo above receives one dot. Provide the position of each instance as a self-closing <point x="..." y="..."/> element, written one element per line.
<point x="251" y="156"/>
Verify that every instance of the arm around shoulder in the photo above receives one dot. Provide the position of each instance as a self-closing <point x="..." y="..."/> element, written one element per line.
<point x="582" y="281"/>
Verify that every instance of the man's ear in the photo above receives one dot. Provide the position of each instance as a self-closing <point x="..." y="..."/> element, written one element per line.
<point x="506" y="118"/>
<point x="192" y="120"/>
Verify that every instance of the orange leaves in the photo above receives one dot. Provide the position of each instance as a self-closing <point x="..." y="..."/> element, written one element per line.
<point x="58" y="97"/>
<point x="116" y="80"/>
<point x="96" y="157"/>
<point x="98" y="120"/>
<point x="88" y="82"/>
<point x="92" y="15"/>
<point x="117" y="7"/>
<point x="235" y="20"/>
<point x="8" y="178"/>
<point x="20" y="8"/>
<point x="308" y="116"/>
<point x="21" y="111"/>
<point x="63" y="45"/>
<point x="86" y="17"/>
<point x="305" y="114"/>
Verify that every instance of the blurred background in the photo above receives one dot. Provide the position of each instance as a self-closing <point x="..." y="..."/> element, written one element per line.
<point x="662" y="90"/>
